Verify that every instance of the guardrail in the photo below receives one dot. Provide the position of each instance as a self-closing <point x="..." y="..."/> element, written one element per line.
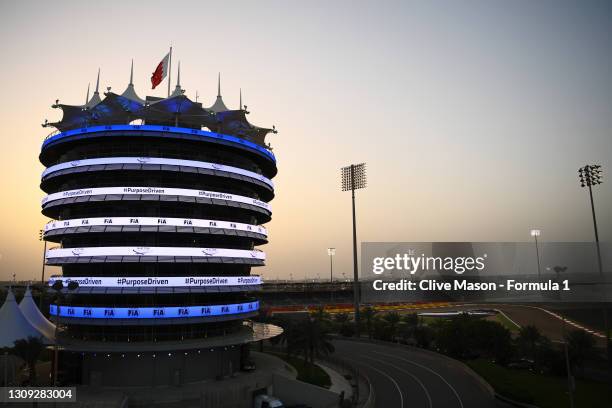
<point x="370" y="400"/>
<point x="467" y="369"/>
<point x="344" y="367"/>
<point x="236" y="140"/>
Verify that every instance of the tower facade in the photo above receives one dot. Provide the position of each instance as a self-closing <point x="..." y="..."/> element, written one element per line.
<point x="157" y="207"/>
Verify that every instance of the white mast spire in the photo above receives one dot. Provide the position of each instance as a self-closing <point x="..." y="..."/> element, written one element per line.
<point x="97" y="82"/>
<point x="95" y="99"/>
<point x="169" y="70"/>
<point x="132" y="73"/>
<point x="87" y="96"/>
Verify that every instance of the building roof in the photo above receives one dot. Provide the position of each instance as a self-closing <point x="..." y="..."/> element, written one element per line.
<point x="35" y="317"/>
<point x="176" y="110"/>
<point x="249" y="333"/>
<point x="219" y="105"/>
<point x="14" y="324"/>
<point x="130" y="93"/>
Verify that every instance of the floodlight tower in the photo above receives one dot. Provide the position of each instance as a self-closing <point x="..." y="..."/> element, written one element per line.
<point x="535" y="233"/>
<point x="590" y="175"/>
<point x="331" y="252"/>
<point x="353" y="178"/>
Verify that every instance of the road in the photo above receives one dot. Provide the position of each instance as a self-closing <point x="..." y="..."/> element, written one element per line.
<point x="523" y="315"/>
<point x="405" y="377"/>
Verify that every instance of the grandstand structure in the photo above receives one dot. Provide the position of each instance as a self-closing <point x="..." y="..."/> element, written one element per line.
<point x="305" y="294"/>
<point x="157" y="208"/>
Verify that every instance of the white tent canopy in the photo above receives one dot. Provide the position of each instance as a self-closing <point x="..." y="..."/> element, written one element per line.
<point x="14" y="324"/>
<point x="35" y="317"/>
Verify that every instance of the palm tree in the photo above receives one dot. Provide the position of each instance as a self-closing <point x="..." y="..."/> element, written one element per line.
<point x="320" y="314"/>
<point x="344" y="324"/>
<point x="29" y="350"/>
<point x="288" y="336"/>
<point x="528" y="339"/>
<point x="341" y="318"/>
<point x="581" y="347"/>
<point x="407" y="327"/>
<point x="312" y="338"/>
<point x="411" y="319"/>
<point x="392" y="319"/>
<point x="367" y="316"/>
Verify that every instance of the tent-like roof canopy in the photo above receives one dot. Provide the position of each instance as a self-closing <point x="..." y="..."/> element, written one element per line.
<point x="219" y="105"/>
<point x="35" y="317"/>
<point x="14" y="324"/>
<point x="175" y="110"/>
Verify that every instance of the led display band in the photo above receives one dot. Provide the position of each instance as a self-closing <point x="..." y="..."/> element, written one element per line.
<point x="153" y="312"/>
<point x="154" y="251"/>
<point x="154" y="191"/>
<point x="158" y="281"/>
<point x="152" y="221"/>
<point x="156" y="161"/>
<point x="157" y="128"/>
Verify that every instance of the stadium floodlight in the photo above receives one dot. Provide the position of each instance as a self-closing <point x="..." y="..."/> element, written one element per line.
<point x="331" y="252"/>
<point x="535" y="233"/>
<point x="589" y="176"/>
<point x="354" y="178"/>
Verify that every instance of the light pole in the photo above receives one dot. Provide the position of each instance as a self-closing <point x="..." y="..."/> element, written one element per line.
<point x="331" y="252"/>
<point x="58" y="285"/>
<point x="570" y="379"/>
<point x="41" y="237"/>
<point x="590" y="175"/>
<point x="535" y="233"/>
<point x="354" y="178"/>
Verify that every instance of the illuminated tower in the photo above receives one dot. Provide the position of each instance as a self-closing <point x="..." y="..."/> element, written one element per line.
<point x="158" y="207"/>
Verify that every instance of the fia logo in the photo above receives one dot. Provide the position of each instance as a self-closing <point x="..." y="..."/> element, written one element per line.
<point x="141" y="250"/>
<point x="77" y="251"/>
<point x="254" y="254"/>
<point x="143" y="160"/>
<point x="209" y="251"/>
<point x="75" y="163"/>
<point x="217" y="166"/>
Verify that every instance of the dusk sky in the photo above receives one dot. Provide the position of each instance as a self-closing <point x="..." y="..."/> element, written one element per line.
<point x="472" y="116"/>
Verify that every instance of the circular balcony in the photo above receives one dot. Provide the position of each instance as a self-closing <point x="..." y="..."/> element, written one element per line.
<point x="61" y="256"/>
<point x="54" y="230"/>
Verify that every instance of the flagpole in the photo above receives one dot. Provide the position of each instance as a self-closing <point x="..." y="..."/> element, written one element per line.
<point x="169" y="70"/>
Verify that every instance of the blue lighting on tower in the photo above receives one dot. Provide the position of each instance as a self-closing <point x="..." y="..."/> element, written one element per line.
<point x="174" y="312"/>
<point x="156" y="128"/>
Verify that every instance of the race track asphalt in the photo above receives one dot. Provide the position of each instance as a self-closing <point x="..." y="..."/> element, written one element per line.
<point x="404" y="377"/>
